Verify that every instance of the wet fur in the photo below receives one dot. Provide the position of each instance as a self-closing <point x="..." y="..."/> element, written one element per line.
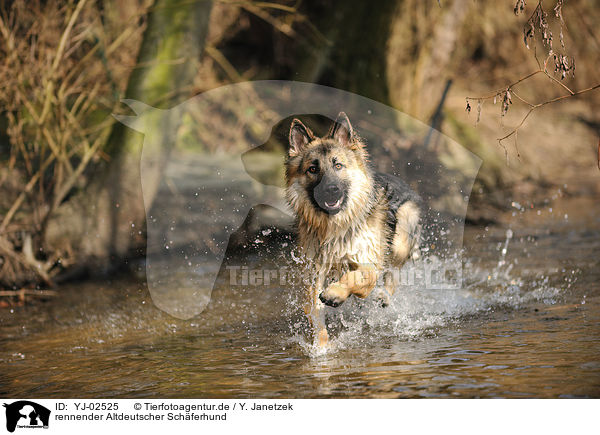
<point x="377" y="227"/>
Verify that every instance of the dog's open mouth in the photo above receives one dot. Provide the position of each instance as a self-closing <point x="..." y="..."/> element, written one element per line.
<point x="333" y="204"/>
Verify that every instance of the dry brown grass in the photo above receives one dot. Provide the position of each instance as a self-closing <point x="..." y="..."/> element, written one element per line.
<point x="64" y="67"/>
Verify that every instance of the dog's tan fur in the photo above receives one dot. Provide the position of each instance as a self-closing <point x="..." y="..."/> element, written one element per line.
<point x="357" y="242"/>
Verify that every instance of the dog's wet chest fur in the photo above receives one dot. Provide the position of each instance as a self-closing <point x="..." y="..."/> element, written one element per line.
<point x="363" y="242"/>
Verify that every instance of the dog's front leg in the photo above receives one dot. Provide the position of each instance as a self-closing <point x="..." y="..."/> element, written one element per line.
<point x="359" y="282"/>
<point x="316" y="315"/>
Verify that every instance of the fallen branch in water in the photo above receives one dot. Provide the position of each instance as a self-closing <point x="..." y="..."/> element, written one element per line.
<point x="24" y="259"/>
<point x="27" y="292"/>
<point x="22" y="296"/>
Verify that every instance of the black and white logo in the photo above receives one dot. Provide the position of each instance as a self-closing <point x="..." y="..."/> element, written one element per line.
<point x="26" y="414"/>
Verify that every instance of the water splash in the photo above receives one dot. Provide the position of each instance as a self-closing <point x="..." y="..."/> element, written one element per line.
<point x="502" y="260"/>
<point x="418" y="312"/>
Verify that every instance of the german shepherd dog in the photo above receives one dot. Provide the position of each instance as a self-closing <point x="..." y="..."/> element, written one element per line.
<point x="353" y="223"/>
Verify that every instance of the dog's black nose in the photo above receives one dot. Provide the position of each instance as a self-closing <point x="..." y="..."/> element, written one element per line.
<point x="332" y="189"/>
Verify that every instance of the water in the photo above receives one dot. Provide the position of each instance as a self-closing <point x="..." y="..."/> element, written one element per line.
<point x="526" y="324"/>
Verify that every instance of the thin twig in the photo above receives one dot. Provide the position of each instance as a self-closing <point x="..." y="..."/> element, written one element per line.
<point x="229" y="69"/>
<point x="66" y="33"/>
<point x="284" y="28"/>
<point x="24" y="192"/>
<point x="559" y="82"/>
<point x="501" y="90"/>
<point x="537" y="106"/>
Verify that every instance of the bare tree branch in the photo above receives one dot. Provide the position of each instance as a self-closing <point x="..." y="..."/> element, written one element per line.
<point x="562" y="65"/>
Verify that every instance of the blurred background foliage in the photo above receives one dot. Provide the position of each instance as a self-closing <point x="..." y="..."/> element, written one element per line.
<point x="69" y="174"/>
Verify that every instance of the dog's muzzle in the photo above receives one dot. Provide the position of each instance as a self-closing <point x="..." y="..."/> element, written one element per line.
<point x="330" y="196"/>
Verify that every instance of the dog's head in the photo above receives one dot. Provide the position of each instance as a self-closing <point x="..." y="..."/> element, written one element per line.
<point x="327" y="177"/>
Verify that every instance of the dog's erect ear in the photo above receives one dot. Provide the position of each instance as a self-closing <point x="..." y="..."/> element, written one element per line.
<point x="341" y="130"/>
<point x="300" y="136"/>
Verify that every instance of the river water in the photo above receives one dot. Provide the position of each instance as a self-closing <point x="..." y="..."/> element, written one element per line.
<point x="525" y="324"/>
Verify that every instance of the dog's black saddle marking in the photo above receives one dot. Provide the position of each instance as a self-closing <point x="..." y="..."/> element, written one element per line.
<point x="397" y="193"/>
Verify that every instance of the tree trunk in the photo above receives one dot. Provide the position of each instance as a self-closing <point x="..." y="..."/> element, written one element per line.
<point x="353" y="57"/>
<point x="423" y="39"/>
<point x="105" y="221"/>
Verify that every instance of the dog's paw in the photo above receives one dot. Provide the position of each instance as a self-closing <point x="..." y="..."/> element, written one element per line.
<point x="334" y="295"/>
<point x="331" y="300"/>
<point x="383" y="302"/>
<point x="382" y="298"/>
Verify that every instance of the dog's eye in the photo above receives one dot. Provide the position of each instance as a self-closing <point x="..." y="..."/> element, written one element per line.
<point x="312" y="169"/>
<point x="338" y="166"/>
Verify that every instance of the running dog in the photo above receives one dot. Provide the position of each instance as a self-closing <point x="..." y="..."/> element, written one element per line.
<point x="353" y="223"/>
